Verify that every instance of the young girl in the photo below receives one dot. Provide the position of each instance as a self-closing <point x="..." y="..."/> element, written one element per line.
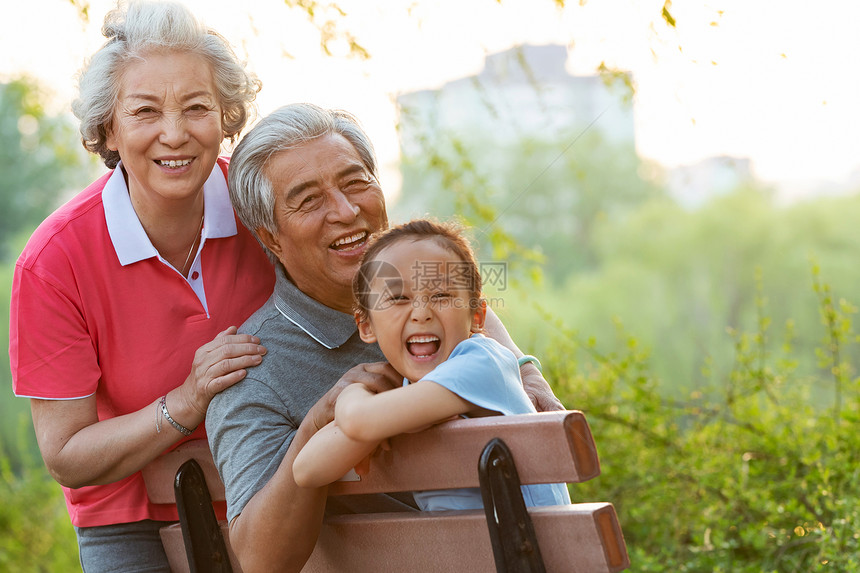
<point x="418" y="295"/>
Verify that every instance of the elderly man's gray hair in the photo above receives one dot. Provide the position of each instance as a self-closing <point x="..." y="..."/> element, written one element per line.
<point x="156" y="26"/>
<point x="286" y="128"/>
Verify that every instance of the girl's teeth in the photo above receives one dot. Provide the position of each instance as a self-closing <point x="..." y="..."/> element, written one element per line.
<point x="423" y="339"/>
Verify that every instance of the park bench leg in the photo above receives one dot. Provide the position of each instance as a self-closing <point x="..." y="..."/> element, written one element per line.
<point x="204" y="544"/>
<point x="512" y="534"/>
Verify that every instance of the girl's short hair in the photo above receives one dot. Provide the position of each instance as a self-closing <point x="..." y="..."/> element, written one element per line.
<point x="146" y="26"/>
<point x="448" y="235"/>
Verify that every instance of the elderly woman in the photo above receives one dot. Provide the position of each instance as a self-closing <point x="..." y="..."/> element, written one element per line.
<point x="126" y="299"/>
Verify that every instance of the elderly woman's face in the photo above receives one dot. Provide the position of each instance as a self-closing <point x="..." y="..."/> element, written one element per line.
<point x="167" y="126"/>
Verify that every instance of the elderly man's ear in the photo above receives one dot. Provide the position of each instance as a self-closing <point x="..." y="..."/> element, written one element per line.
<point x="271" y="240"/>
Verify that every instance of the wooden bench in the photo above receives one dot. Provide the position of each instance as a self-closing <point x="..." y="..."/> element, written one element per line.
<point x="550" y="447"/>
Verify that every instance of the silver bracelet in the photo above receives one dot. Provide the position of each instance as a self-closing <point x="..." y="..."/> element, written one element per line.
<point x="158" y="416"/>
<point x="185" y="431"/>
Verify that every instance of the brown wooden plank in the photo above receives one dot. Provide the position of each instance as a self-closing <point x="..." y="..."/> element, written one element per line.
<point x="549" y="447"/>
<point x="578" y="538"/>
<point x="174" y="546"/>
<point x="159" y="474"/>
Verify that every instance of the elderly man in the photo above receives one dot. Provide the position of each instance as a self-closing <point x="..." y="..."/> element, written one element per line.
<point x="304" y="180"/>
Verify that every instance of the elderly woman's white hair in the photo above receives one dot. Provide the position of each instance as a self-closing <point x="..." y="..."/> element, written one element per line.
<point x="145" y="26"/>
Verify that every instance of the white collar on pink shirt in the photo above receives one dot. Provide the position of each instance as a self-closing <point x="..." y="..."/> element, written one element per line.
<point x="126" y="233"/>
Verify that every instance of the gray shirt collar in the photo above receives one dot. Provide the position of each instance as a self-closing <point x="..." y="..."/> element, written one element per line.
<point x="328" y="326"/>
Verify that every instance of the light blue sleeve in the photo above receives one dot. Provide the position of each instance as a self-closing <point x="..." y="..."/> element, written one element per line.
<point x="486" y="374"/>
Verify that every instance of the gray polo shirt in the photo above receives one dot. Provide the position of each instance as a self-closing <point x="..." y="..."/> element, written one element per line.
<point x="251" y="424"/>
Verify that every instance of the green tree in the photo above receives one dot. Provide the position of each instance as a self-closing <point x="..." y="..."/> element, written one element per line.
<point x="678" y="279"/>
<point x="752" y="471"/>
<point x="547" y="195"/>
<point x="39" y="160"/>
<point x="39" y="537"/>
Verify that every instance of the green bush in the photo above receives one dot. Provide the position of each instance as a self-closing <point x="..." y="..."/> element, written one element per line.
<point x="757" y="472"/>
<point x="32" y="508"/>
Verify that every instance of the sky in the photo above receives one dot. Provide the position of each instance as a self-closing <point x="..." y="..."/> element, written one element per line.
<point x="767" y="80"/>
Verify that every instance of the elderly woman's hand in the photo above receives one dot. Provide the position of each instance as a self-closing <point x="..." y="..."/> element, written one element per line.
<point x="219" y="364"/>
<point x="538" y="389"/>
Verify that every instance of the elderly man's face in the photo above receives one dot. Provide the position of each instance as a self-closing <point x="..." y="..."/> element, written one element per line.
<point x="327" y="204"/>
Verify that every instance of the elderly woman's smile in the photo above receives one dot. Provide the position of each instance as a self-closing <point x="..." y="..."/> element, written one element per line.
<point x="173" y="164"/>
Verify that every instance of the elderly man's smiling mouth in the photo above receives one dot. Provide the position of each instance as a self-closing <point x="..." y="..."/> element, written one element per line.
<point x="350" y="242"/>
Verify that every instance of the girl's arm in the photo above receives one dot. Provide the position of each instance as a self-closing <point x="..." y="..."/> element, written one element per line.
<point x="328" y="456"/>
<point x="368" y="417"/>
<point x="363" y="419"/>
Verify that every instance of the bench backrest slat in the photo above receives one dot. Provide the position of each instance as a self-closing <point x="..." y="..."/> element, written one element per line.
<point x="548" y="447"/>
<point x="553" y="447"/>
<point x="579" y="538"/>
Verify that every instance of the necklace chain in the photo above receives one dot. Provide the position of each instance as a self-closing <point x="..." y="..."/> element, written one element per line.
<point x="194" y="242"/>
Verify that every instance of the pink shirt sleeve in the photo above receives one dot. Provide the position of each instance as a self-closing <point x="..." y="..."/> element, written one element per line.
<point x="51" y="353"/>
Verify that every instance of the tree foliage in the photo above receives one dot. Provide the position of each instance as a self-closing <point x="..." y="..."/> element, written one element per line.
<point x="751" y="472"/>
<point x="548" y="197"/>
<point x="39" y="159"/>
<point x="39" y="537"/>
<point x="716" y="365"/>
<point x="680" y="278"/>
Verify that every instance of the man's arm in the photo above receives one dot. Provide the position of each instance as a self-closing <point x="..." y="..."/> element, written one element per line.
<point x="535" y="385"/>
<point x="278" y="527"/>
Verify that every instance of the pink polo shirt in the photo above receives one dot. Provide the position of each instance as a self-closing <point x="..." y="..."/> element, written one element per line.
<point x="95" y="310"/>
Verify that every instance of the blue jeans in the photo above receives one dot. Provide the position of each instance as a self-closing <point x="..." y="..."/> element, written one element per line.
<point x="123" y="548"/>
